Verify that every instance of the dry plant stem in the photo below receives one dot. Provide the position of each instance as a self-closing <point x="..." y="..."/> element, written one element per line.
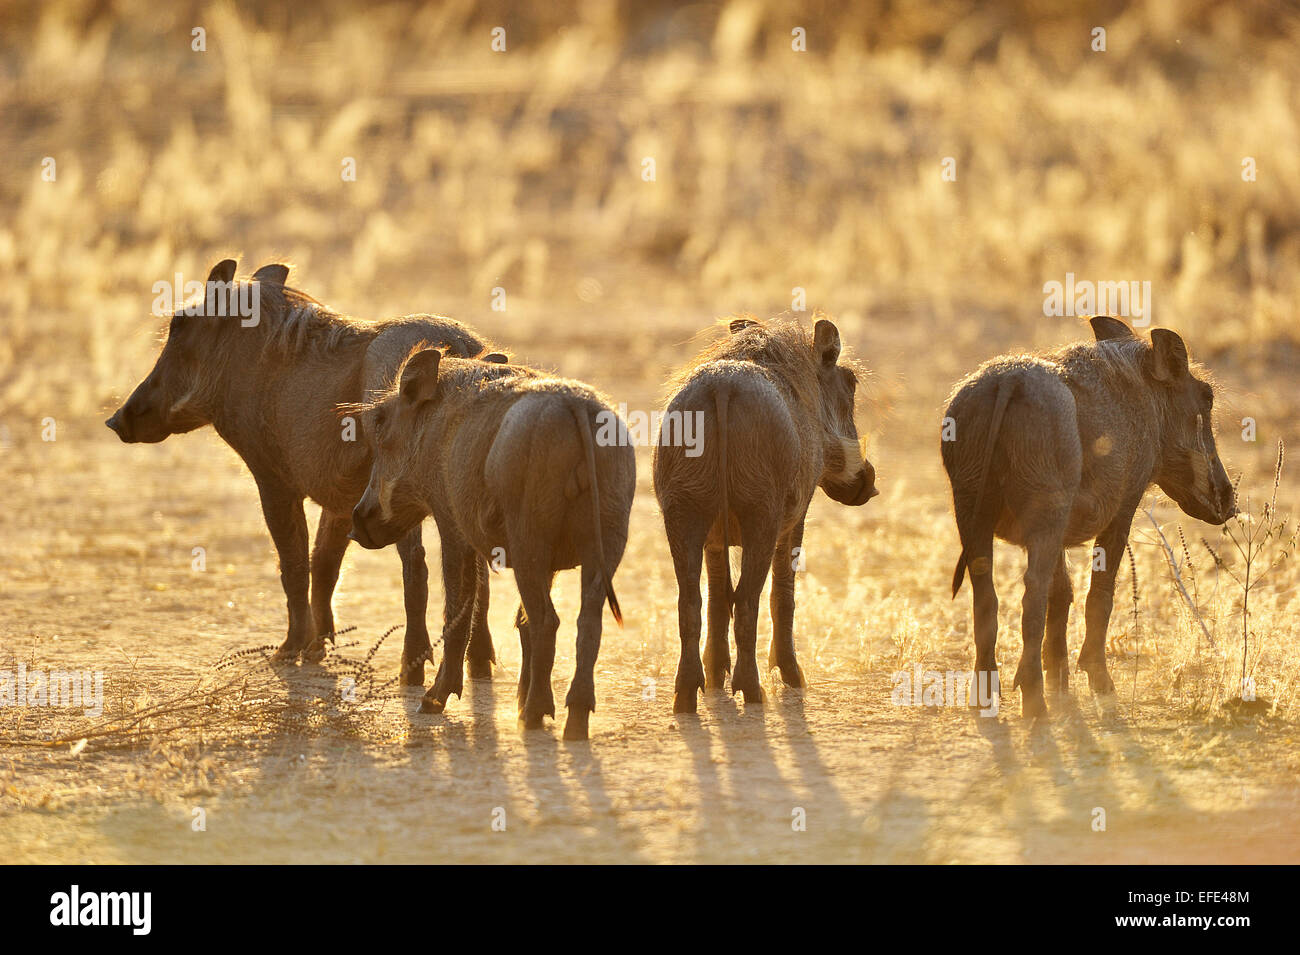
<point x="1178" y="579"/>
<point x="1137" y="637"/>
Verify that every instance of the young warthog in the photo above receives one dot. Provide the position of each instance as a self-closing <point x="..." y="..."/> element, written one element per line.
<point x="506" y="461"/>
<point x="1054" y="450"/>
<point x="270" y="384"/>
<point x="777" y="410"/>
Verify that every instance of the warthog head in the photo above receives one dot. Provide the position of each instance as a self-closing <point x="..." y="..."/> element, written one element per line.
<point x="1190" y="470"/>
<point x="391" y="504"/>
<point x="170" y="400"/>
<point x="847" y="477"/>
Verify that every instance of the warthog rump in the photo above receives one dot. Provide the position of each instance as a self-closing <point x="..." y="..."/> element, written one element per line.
<point x="271" y="386"/>
<point x="777" y="405"/>
<point x="508" y="463"/>
<point x="1049" y="451"/>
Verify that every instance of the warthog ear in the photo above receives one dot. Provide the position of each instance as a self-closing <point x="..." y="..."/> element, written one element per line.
<point x="1168" y="355"/>
<point x="497" y="358"/>
<point x="826" y="342"/>
<point x="1107" y="328"/>
<point x="420" y="376"/>
<point x="740" y="324"/>
<point x="223" y="271"/>
<point x="273" y="274"/>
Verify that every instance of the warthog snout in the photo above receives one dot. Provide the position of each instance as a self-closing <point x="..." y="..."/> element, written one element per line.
<point x="856" y="492"/>
<point x="1225" y="496"/>
<point x="118" y="425"/>
<point x="140" y="419"/>
<point x="134" y="427"/>
<point x="368" y="527"/>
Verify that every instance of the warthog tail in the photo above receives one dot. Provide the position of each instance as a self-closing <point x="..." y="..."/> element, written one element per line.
<point x="589" y="447"/>
<point x="720" y="406"/>
<point x="1005" y="390"/>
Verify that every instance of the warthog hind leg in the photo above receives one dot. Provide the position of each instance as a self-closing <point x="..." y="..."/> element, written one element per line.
<point x="717" y="654"/>
<point x="759" y="534"/>
<point x="686" y="535"/>
<point x="781" y="653"/>
<point x="1056" y="661"/>
<point x="525" y="654"/>
<point x="543" y="622"/>
<point x="1044" y="549"/>
<point x="581" y="701"/>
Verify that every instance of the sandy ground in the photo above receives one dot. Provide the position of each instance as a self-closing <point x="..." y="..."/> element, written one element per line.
<point x="96" y="572"/>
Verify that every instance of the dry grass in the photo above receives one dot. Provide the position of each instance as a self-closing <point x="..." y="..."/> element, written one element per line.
<point x="523" y="170"/>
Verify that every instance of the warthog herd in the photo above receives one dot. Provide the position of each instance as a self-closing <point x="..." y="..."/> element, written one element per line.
<point x="385" y="423"/>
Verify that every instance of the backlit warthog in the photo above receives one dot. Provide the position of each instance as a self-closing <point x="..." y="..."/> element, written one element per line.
<point x="507" y="462"/>
<point x="271" y="389"/>
<point x="1054" y="450"/>
<point x="778" y="422"/>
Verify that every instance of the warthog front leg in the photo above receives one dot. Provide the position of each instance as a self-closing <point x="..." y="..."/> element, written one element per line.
<point x="326" y="557"/>
<point x="282" y="509"/>
<point x="581" y="701"/>
<point x="759" y="534"/>
<point x="458" y="563"/>
<point x="415" y="597"/>
<point x="481" y="653"/>
<point x="1056" y="662"/>
<point x="1101" y="597"/>
<point x="781" y="652"/>
<point x="717" y="654"/>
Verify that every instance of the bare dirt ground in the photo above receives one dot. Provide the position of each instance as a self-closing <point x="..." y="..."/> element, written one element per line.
<point x="97" y="572"/>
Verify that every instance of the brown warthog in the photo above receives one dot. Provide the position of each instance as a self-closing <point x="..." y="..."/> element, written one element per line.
<point x="776" y="406"/>
<point x="506" y="461"/>
<point x="270" y="381"/>
<point x="1049" y="451"/>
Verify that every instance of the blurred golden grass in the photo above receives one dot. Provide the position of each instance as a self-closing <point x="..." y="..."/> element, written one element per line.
<point x="522" y="169"/>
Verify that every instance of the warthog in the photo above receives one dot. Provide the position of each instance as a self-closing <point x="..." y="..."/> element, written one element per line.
<point x="1051" y="451"/>
<point x="777" y="409"/>
<point x="506" y="461"/>
<point x="271" y="390"/>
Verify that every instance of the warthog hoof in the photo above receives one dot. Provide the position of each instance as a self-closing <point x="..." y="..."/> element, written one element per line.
<point x="315" y="652"/>
<point x="749" y="686"/>
<point x="411" y="675"/>
<point x="431" y="704"/>
<point x="576" y="726"/>
<point x="715" y="678"/>
<point x="1058" y="679"/>
<point x="533" y="713"/>
<point x="529" y="722"/>
<point x="284" y="657"/>
<point x="792" y="675"/>
<point x="447" y="682"/>
<point x="480" y="669"/>
<point x="1032" y="703"/>
<point x="686" y="701"/>
<point x="1100" y="682"/>
<point x="985" y="690"/>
